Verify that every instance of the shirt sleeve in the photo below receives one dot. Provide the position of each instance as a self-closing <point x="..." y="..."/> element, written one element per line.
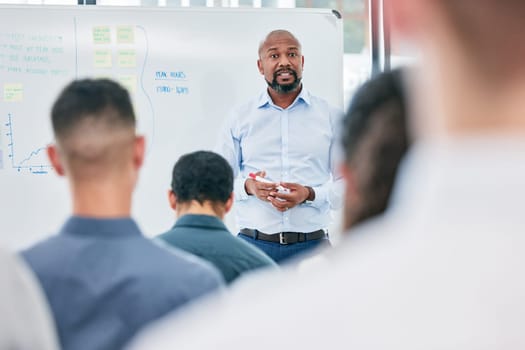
<point x="228" y="145"/>
<point x="332" y="191"/>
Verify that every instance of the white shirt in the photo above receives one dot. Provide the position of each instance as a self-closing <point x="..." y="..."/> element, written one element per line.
<point x="443" y="269"/>
<point x="25" y="320"/>
<point x="297" y="144"/>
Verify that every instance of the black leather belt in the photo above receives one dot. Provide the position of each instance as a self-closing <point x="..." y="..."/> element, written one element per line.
<point x="284" y="237"/>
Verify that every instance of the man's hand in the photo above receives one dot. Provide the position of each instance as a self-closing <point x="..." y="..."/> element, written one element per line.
<point x="259" y="189"/>
<point x="284" y="201"/>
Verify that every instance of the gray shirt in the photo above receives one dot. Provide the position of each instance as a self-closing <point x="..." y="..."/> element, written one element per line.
<point x="104" y="280"/>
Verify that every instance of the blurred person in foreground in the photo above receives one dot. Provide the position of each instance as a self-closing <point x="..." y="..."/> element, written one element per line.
<point x="103" y="279"/>
<point x="442" y="268"/>
<point x="26" y="321"/>
<point x="201" y="194"/>
<point x="375" y="139"/>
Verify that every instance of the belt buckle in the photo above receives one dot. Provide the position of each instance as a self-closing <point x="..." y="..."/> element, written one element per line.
<point x="282" y="238"/>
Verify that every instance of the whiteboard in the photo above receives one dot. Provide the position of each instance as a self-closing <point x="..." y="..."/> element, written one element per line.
<point x="185" y="68"/>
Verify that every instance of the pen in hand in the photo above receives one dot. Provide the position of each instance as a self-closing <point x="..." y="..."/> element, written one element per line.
<point x="268" y="181"/>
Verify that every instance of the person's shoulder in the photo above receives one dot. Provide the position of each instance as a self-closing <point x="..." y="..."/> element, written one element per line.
<point x="184" y="265"/>
<point x="171" y="236"/>
<point x="24" y="304"/>
<point x="320" y="102"/>
<point x="248" y="106"/>
<point x="43" y="250"/>
<point x="378" y="245"/>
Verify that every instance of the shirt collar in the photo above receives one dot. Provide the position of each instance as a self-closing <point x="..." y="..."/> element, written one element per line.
<point x="101" y="228"/>
<point x="203" y="221"/>
<point x="265" y="99"/>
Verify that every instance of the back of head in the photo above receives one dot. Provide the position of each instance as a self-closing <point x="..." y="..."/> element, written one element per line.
<point x="375" y="138"/>
<point x="202" y="176"/>
<point x="94" y="123"/>
<point x="491" y="31"/>
<point x="472" y="75"/>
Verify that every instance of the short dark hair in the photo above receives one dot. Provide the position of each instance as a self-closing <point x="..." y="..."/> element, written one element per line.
<point x="375" y="138"/>
<point x="90" y="98"/>
<point x="202" y="176"/>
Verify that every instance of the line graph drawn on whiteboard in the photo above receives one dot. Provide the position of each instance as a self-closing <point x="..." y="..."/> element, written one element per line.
<point x="34" y="162"/>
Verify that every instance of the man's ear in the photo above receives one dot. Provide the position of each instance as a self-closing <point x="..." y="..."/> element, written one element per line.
<point x="229" y="203"/>
<point x="139" y="151"/>
<point x="260" y="67"/>
<point x="172" y="200"/>
<point x="54" y="158"/>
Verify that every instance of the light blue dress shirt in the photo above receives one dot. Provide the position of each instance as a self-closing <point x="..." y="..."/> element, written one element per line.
<point x="104" y="280"/>
<point x="298" y="144"/>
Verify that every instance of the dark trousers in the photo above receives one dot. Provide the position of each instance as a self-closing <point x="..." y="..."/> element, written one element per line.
<point x="282" y="252"/>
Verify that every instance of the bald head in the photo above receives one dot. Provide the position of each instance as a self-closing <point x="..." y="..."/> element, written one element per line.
<point x="276" y="35"/>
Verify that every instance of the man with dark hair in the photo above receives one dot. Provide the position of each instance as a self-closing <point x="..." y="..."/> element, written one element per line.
<point x="288" y="135"/>
<point x="375" y="139"/>
<point x="201" y="194"/>
<point x="102" y="278"/>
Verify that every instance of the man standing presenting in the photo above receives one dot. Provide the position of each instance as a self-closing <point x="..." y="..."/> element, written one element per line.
<point x="287" y="137"/>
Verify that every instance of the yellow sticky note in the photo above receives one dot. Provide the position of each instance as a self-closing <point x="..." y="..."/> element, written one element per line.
<point x="13" y="92"/>
<point x="125" y="35"/>
<point x="129" y="82"/>
<point x="127" y="58"/>
<point x="102" y="59"/>
<point x="101" y="35"/>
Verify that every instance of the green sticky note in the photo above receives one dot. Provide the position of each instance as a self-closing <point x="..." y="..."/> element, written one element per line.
<point x="127" y="58"/>
<point x="102" y="58"/>
<point x="129" y="82"/>
<point x="125" y="35"/>
<point x="13" y="92"/>
<point x="101" y="35"/>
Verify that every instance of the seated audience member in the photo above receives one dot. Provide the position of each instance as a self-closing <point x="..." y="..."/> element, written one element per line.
<point x="201" y="195"/>
<point x="441" y="269"/>
<point x="375" y="140"/>
<point x="26" y="321"/>
<point x="103" y="279"/>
